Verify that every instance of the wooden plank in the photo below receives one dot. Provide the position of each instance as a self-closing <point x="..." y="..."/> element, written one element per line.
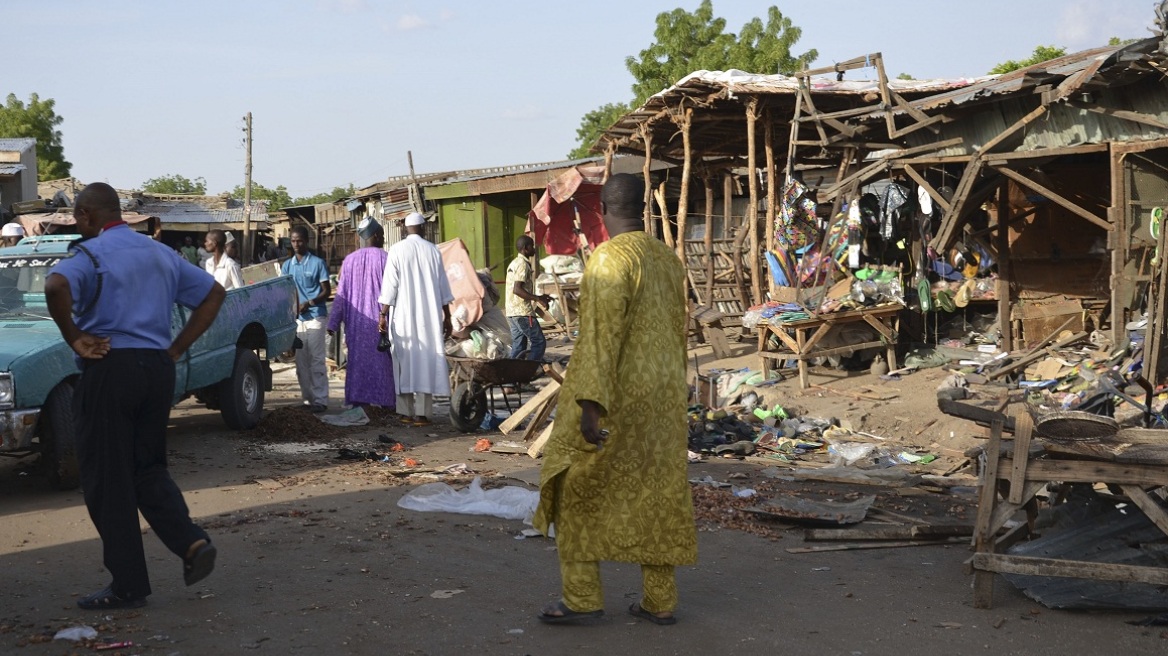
<point x="536" y="448"/>
<point x="933" y="193"/>
<point x="850" y="546"/>
<point x="1075" y="569"/>
<point x="1146" y="503"/>
<point x="1066" y="203"/>
<point x="1023" y="428"/>
<point x="533" y="404"/>
<point x="1004" y="511"/>
<point x="983" y="416"/>
<point x="919" y="532"/>
<point x="1034" y="356"/>
<point x="983" y="584"/>
<point x="544" y="413"/>
<point x="1086" y="471"/>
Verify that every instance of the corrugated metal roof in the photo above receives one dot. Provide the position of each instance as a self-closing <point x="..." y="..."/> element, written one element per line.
<point x="11" y="169"/>
<point x="193" y="213"/>
<point x="19" y="144"/>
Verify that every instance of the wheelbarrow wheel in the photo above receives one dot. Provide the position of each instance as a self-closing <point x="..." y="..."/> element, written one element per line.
<point x="468" y="406"/>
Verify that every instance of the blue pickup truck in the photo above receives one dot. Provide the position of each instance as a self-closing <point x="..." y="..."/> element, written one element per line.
<point x="226" y="369"/>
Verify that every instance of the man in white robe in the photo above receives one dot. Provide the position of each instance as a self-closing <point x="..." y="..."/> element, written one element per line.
<point x="415" y="307"/>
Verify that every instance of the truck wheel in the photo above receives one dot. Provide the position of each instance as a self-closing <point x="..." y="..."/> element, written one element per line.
<point x="468" y="406"/>
<point x="241" y="397"/>
<point x="58" y="440"/>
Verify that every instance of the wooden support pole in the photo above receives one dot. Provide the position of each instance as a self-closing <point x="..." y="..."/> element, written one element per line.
<point x="1119" y="243"/>
<point x="684" y="118"/>
<point x="752" y="210"/>
<point x="1002" y="243"/>
<point x="708" y="182"/>
<point x="666" y="233"/>
<point x="772" y="191"/>
<point x="789" y="167"/>
<point x="609" y="150"/>
<point x="727" y="212"/>
<point x="646" y="171"/>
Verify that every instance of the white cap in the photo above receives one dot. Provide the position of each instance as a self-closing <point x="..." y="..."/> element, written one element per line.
<point x="414" y="219"/>
<point x="12" y="230"/>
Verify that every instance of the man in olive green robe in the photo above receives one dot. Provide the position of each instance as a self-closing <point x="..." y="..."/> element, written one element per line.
<point x="613" y="480"/>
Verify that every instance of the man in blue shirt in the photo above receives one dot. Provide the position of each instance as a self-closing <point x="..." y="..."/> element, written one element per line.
<point x="112" y="301"/>
<point x="312" y="285"/>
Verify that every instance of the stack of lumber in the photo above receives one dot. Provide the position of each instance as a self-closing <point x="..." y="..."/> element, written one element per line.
<point x="540" y="408"/>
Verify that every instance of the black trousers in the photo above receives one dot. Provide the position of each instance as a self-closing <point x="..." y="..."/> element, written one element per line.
<point x="121" y="407"/>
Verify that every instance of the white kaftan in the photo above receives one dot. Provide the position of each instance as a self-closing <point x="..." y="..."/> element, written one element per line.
<point x="415" y="288"/>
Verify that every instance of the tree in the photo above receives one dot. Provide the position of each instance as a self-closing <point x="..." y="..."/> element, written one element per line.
<point x="175" y="184"/>
<point x="38" y="120"/>
<point x="594" y="124"/>
<point x="327" y="197"/>
<point x="688" y="42"/>
<point x="1041" y="54"/>
<point x="277" y="198"/>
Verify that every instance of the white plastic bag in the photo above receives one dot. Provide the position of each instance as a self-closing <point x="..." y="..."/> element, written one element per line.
<point x="511" y="502"/>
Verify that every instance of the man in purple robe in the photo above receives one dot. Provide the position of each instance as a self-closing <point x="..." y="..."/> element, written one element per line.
<point x="369" y="371"/>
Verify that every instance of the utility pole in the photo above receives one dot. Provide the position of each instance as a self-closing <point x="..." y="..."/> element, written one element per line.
<point x="246" y="251"/>
<point x="415" y="193"/>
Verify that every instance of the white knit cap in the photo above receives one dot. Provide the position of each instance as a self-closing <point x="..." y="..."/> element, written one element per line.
<point x="12" y="230"/>
<point x="415" y="219"/>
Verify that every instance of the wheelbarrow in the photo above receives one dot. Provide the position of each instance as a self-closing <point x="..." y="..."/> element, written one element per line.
<point x="471" y="379"/>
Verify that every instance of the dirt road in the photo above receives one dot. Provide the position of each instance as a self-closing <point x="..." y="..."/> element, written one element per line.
<point x="315" y="557"/>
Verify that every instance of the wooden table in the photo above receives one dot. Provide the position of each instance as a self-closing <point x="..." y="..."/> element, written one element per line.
<point x="1009" y="483"/>
<point x="801" y="339"/>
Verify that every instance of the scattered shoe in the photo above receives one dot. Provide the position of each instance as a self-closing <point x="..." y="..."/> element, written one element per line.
<point x="107" y="599"/>
<point x="200" y="564"/>
<point x="636" y="611"/>
<point x="420" y="421"/>
<point x="558" y="613"/>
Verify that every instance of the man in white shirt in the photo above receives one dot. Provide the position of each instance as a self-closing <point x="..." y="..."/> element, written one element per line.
<point x="225" y="269"/>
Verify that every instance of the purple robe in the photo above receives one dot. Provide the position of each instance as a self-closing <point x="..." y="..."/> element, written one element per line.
<point x="369" y="372"/>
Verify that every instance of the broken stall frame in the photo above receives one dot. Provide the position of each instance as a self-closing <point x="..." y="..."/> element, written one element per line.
<point x="1010" y="483"/>
<point x="975" y="133"/>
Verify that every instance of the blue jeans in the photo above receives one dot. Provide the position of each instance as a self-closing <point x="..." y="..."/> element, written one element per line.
<point x="527" y="335"/>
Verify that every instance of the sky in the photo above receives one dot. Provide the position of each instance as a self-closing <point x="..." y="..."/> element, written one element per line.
<point x="341" y="90"/>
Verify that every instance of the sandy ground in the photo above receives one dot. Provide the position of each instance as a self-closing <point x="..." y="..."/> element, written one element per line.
<point x="317" y="558"/>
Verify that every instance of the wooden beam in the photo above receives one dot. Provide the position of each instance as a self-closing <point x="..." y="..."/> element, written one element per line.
<point x="1002" y="285"/>
<point x="1074" y="569"/>
<point x="1053" y="195"/>
<point x="1018" y="125"/>
<point x="682" y="118"/>
<point x="993" y="159"/>
<point x="646" y="173"/>
<point x="950" y="221"/>
<point x="933" y="193"/>
<point x="752" y="210"/>
<point x="709" y="241"/>
<point x="533" y="404"/>
<point x="1121" y="114"/>
<point x="1120" y="247"/>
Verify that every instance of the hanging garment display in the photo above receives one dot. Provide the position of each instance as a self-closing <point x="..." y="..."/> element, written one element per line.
<point x="795" y="225"/>
<point x="893" y="205"/>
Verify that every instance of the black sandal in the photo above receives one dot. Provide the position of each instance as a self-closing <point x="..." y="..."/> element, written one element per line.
<point x="637" y="611"/>
<point x="200" y="565"/>
<point x="549" y="614"/>
<point x="107" y="599"/>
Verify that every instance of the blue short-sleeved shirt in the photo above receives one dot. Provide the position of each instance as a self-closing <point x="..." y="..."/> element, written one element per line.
<point x="308" y="274"/>
<point x="141" y="280"/>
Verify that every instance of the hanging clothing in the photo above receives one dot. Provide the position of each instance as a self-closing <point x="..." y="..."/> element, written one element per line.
<point x="368" y="372"/>
<point x="629" y="501"/>
<point x="415" y="287"/>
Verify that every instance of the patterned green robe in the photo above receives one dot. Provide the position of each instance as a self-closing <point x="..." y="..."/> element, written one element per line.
<point x="629" y="501"/>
